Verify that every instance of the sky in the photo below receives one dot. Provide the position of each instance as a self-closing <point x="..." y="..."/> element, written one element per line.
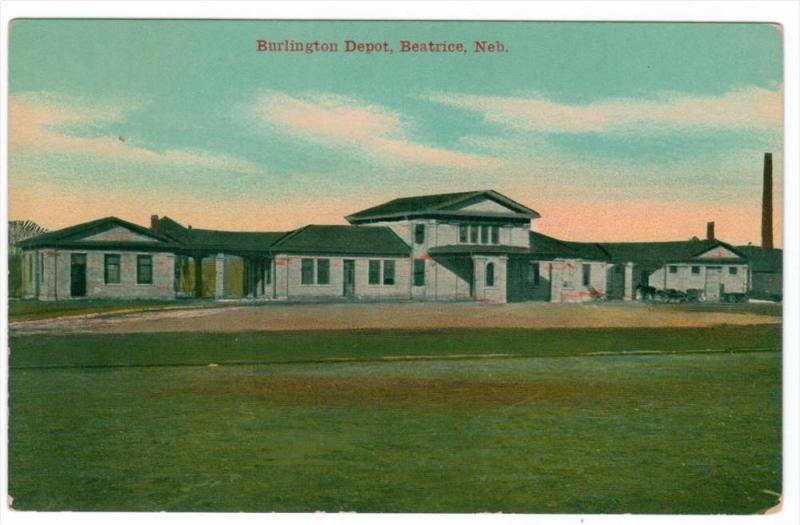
<point x="611" y="131"/>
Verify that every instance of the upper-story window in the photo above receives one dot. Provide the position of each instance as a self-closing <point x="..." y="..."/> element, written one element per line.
<point x="479" y="233"/>
<point x="419" y="234"/>
<point x="473" y="233"/>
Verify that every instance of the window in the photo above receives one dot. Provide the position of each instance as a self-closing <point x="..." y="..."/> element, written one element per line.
<point x="323" y="271"/>
<point x="419" y="272"/>
<point x="463" y="233"/>
<point x="490" y="274"/>
<point x="307" y="271"/>
<point x="388" y="272"/>
<point x="419" y="234"/>
<point x="374" y="272"/>
<point x="587" y="274"/>
<point x="533" y="274"/>
<point x="484" y="234"/>
<point x="144" y="269"/>
<point x="473" y="233"/>
<point x="695" y="270"/>
<point x="673" y="269"/>
<point x="495" y="234"/>
<point x="733" y="270"/>
<point x="112" y="269"/>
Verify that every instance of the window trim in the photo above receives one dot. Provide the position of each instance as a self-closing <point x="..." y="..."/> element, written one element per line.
<point x="320" y="264"/>
<point x="474" y="233"/>
<point x="389" y="263"/>
<point x="419" y="233"/>
<point x="484" y="234"/>
<point x="308" y="270"/>
<point x="586" y="274"/>
<point x="376" y="265"/>
<point x="106" y="257"/>
<point x="419" y="271"/>
<point x="139" y="258"/>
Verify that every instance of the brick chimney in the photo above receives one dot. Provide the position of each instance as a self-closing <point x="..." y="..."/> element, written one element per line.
<point x="766" y="204"/>
<point x="154" y="222"/>
<point x="710" y="236"/>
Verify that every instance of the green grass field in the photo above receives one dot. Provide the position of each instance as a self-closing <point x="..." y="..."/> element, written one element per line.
<point x="577" y="422"/>
<point x="32" y="310"/>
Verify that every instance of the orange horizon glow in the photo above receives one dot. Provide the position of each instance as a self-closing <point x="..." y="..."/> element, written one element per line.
<point x="568" y="219"/>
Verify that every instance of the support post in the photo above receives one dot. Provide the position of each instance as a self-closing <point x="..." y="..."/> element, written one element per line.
<point x="219" y="282"/>
<point x="628" y="295"/>
<point x="198" y="276"/>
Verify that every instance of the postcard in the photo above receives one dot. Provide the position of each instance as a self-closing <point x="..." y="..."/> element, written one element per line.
<point x="408" y="266"/>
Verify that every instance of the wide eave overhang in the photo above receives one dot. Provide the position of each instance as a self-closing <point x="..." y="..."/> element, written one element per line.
<point x="445" y="215"/>
<point x="497" y="249"/>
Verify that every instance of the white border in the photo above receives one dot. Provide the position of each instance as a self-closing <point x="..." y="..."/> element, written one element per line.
<point x="784" y="12"/>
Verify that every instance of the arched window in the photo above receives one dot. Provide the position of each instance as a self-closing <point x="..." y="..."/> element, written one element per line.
<point x="490" y="274"/>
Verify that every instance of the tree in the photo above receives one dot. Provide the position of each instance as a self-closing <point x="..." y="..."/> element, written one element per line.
<point x="20" y="230"/>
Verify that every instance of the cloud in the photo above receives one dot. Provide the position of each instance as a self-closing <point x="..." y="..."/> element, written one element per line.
<point x="38" y="123"/>
<point x="375" y="132"/>
<point x="744" y="108"/>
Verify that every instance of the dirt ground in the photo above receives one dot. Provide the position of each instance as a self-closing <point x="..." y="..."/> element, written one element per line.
<point x="417" y="316"/>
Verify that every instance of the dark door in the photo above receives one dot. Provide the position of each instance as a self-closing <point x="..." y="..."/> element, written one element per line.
<point x="349" y="278"/>
<point x="77" y="275"/>
<point x="515" y="280"/>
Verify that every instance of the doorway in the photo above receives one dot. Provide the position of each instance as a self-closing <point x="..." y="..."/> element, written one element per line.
<point x="349" y="278"/>
<point x="77" y="275"/>
<point x="713" y="281"/>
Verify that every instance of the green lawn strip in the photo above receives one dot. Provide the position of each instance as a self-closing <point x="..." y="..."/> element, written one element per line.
<point x="37" y="310"/>
<point x="684" y="434"/>
<point x="164" y="349"/>
<point x="769" y="309"/>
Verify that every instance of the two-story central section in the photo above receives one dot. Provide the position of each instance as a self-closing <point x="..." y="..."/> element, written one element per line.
<point x="468" y="245"/>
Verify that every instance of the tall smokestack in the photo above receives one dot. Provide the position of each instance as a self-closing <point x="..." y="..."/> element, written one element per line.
<point x="710" y="231"/>
<point x="766" y="204"/>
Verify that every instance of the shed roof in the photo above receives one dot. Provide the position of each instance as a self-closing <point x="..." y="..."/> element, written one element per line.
<point x="544" y="246"/>
<point x="477" y="249"/>
<point x="673" y="251"/>
<point x="341" y="239"/>
<point x="763" y="259"/>
<point x="218" y="240"/>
